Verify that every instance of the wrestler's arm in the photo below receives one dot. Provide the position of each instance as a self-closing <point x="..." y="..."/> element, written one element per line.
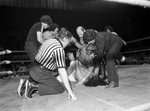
<point x="89" y="73"/>
<point x="96" y="70"/>
<point x="76" y="43"/>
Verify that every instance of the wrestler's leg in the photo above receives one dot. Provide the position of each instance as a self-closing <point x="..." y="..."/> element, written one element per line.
<point x="71" y="70"/>
<point x="71" y="57"/>
<point x="74" y="71"/>
<point x="71" y="77"/>
<point x="81" y="71"/>
<point x="77" y="71"/>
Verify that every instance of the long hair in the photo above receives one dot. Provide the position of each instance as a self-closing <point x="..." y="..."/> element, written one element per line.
<point x="84" y="56"/>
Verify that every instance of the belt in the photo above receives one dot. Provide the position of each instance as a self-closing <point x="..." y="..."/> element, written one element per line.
<point x="54" y="72"/>
<point x="43" y="67"/>
<point x="40" y="65"/>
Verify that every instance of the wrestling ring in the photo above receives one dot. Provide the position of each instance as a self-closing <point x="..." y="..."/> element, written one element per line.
<point x="8" y="67"/>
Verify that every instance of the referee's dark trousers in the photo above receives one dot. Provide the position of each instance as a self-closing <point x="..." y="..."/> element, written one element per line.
<point x="47" y="83"/>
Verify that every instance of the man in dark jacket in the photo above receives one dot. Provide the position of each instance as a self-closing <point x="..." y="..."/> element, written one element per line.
<point x="108" y="45"/>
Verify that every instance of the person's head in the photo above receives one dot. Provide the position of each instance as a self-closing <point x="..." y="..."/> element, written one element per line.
<point x="91" y="50"/>
<point x="55" y="28"/>
<point x="62" y="32"/>
<point x="80" y="31"/>
<point x="47" y="35"/>
<point x="64" y="36"/>
<point x="89" y="36"/>
<point x="88" y="53"/>
<point x="46" y="21"/>
<point x="108" y="29"/>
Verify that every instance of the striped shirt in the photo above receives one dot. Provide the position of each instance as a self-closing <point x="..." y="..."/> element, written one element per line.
<point x="51" y="55"/>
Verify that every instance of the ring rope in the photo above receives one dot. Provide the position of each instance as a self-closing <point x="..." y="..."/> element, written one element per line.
<point x="135" y="51"/>
<point x="18" y="51"/>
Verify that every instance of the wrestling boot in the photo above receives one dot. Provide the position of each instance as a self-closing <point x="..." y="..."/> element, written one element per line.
<point x="112" y="85"/>
<point x="21" y="87"/>
<point x="30" y="89"/>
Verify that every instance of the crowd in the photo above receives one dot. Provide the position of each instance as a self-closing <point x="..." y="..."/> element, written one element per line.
<point x="137" y="58"/>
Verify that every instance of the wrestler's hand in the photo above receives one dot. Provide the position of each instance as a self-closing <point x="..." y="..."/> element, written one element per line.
<point x="80" y="82"/>
<point x="72" y="97"/>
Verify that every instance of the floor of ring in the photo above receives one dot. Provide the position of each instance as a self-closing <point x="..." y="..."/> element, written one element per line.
<point x="133" y="94"/>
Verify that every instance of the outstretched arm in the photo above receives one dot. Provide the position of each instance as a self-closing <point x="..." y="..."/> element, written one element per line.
<point x="76" y="43"/>
<point x="64" y="77"/>
<point x="60" y="61"/>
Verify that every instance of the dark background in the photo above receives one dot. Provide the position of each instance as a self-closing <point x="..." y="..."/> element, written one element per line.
<point x="129" y="21"/>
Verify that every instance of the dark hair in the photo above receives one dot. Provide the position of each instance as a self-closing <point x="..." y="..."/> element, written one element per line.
<point x="46" y="19"/>
<point x="63" y="30"/>
<point x="108" y="27"/>
<point x="89" y="35"/>
<point x="69" y="34"/>
<point x="53" y="26"/>
<point x="64" y="33"/>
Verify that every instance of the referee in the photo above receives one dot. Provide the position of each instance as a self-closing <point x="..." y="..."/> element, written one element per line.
<point x="50" y="58"/>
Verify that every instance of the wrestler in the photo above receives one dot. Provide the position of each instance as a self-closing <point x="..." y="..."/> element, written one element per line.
<point x="84" y="66"/>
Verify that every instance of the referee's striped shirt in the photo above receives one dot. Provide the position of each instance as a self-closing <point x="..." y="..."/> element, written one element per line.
<point x="51" y="55"/>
